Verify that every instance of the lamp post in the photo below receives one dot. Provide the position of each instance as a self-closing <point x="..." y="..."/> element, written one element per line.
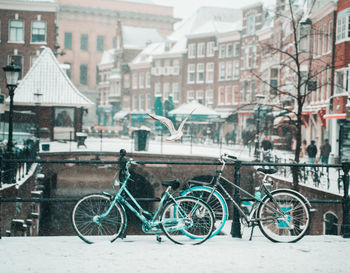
<point x="12" y="73"/>
<point x="259" y="97"/>
<point x="37" y="100"/>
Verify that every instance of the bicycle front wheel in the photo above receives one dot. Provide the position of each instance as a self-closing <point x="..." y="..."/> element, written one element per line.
<point x="215" y="200"/>
<point x="89" y="224"/>
<point x="284" y="217"/>
<point x="187" y="220"/>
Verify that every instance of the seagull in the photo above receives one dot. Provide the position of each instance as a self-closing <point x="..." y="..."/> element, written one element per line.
<point x="174" y="134"/>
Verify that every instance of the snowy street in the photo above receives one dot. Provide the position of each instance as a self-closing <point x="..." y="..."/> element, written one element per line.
<point x="328" y="254"/>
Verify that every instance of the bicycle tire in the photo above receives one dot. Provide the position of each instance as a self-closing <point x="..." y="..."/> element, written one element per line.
<point x="295" y="223"/>
<point x="87" y="224"/>
<point x="217" y="203"/>
<point x="187" y="220"/>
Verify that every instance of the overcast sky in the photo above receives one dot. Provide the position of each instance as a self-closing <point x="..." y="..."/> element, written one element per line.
<point x="185" y="8"/>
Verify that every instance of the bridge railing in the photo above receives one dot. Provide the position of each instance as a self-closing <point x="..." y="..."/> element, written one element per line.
<point x="344" y="178"/>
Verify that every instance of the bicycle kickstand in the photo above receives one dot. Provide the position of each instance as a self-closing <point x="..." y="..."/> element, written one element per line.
<point x="251" y="232"/>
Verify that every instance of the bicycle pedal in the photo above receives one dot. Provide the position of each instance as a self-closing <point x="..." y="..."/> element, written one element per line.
<point x="159" y="239"/>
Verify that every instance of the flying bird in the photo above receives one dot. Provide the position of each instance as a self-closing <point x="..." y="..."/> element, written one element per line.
<point x="174" y="134"/>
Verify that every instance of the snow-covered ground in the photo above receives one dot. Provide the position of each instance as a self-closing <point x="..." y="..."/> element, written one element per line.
<point x="321" y="254"/>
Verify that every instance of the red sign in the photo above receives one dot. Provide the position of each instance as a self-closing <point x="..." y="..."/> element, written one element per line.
<point x="321" y="114"/>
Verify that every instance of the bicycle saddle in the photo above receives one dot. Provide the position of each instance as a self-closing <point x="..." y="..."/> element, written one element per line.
<point x="267" y="171"/>
<point x="174" y="184"/>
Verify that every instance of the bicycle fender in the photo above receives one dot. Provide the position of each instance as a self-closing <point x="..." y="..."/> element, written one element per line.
<point x="302" y="197"/>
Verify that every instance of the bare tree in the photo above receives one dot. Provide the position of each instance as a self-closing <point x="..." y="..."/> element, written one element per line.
<point x="292" y="46"/>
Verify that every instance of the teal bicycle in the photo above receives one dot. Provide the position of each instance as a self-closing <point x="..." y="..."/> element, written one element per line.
<point x="101" y="217"/>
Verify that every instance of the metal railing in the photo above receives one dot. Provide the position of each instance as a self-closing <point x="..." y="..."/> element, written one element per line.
<point x="345" y="167"/>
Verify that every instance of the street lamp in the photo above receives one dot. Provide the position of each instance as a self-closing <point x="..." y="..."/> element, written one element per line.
<point x="12" y="74"/>
<point x="37" y="100"/>
<point x="259" y="97"/>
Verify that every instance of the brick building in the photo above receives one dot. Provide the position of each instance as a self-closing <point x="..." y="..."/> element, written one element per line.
<point x="24" y="29"/>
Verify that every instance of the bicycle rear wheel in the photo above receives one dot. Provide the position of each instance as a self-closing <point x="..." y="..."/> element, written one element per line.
<point x="216" y="202"/>
<point x="289" y="226"/>
<point x="187" y="220"/>
<point x="88" y="223"/>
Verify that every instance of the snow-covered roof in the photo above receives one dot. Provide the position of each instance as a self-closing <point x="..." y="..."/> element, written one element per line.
<point x="216" y="27"/>
<point x="47" y="77"/>
<point x="139" y="37"/>
<point x="200" y="109"/>
<point x="203" y="15"/>
<point x="107" y="57"/>
<point x="147" y="54"/>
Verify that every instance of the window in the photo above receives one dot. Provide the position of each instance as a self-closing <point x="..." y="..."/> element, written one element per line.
<point x="210" y="49"/>
<point x="135" y="103"/>
<point x="209" y="96"/>
<point x="83" y="74"/>
<point x="342" y="82"/>
<point x="166" y="90"/>
<point x="18" y="60"/>
<point x="200" y="96"/>
<point x="176" y="67"/>
<point x="141" y="80"/>
<point x="221" y="95"/>
<point x="175" y="92"/>
<point x="84" y="42"/>
<point x="191" y="50"/>
<point x="148" y="80"/>
<point x="237" y="49"/>
<point x="253" y="49"/>
<point x="343" y="25"/>
<point x="68" y="40"/>
<point x="222" y="51"/>
<point x="201" y="50"/>
<point x="100" y="46"/>
<point x="69" y="70"/>
<point x="38" y="31"/>
<point x="246" y="57"/>
<point x="252" y="91"/>
<point x="324" y="39"/>
<point x="142" y="103"/>
<point x="210" y="73"/>
<point x="221" y="71"/>
<point x="134" y="80"/>
<point x="33" y="59"/>
<point x="233" y="95"/>
<point x="228" y="70"/>
<point x="149" y="102"/>
<point x="236" y="70"/>
<point x="191" y="73"/>
<point x="166" y="67"/>
<point x="157" y="90"/>
<point x="200" y="73"/>
<point x="16" y="33"/>
<point x="251" y="24"/>
<point x="228" y="95"/>
<point x="190" y="95"/>
<point x="229" y="50"/>
<point x="330" y="35"/>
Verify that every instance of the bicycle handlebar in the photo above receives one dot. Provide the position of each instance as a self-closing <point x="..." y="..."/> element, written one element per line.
<point x="225" y="157"/>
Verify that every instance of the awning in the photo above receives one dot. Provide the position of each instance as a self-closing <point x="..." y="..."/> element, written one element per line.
<point x="287" y="117"/>
<point x="120" y="115"/>
<point x="201" y="113"/>
<point x="335" y="116"/>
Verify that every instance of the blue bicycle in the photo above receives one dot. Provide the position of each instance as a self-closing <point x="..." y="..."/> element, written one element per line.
<point x="101" y="216"/>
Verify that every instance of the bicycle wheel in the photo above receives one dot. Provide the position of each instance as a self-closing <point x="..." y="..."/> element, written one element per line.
<point x="187" y="220"/>
<point x="88" y="224"/>
<point x="288" y="227"/>
<point x="216" y="202"/>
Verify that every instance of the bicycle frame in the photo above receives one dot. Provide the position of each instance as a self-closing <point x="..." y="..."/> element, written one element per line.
<point x="249" y="218"/>
<point x="152" y="223"/>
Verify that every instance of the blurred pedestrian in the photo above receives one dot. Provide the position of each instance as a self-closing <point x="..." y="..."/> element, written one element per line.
<point x="326" y="149"/>
<point x="311" y="151"/>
